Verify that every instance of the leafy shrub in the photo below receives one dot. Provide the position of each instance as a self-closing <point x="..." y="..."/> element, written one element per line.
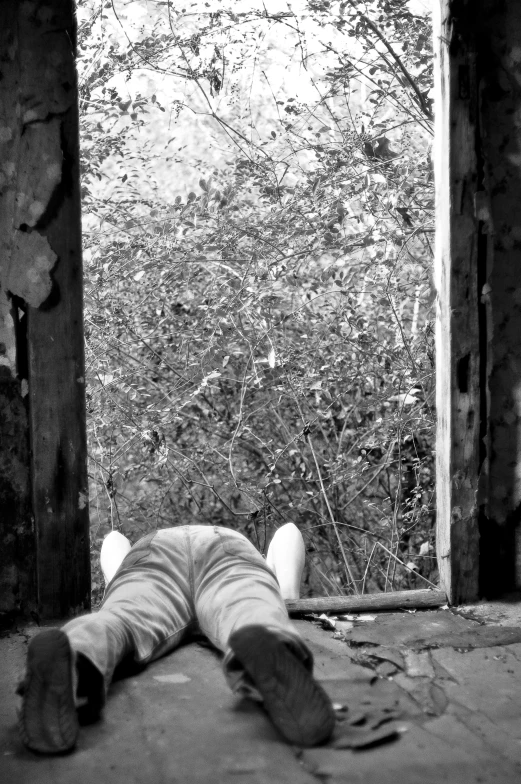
<point x="259" y="330"/>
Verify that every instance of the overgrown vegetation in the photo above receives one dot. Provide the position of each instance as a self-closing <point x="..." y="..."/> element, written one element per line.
<point x="258" y="221"/>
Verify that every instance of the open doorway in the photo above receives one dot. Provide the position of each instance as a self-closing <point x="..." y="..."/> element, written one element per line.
<point x="258" y="224"/>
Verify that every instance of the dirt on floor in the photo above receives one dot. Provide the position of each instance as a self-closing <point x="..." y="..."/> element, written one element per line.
<point x="431" y="696"/>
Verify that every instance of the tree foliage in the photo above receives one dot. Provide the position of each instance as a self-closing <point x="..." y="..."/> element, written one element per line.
<point x="258" y="220"/>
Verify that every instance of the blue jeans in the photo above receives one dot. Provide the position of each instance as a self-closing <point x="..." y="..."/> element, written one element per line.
<point x="179" y="580"/>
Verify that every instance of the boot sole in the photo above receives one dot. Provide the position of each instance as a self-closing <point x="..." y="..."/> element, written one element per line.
<point x="296" y="704"/>
<point x="48" y="722"/>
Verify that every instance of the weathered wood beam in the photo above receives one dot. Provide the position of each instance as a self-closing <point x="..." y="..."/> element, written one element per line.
<point x="460" y="264"/>
<point x="41" y="280"/>
<point x="18" y="589"/>
<point x="371" y="602"/>
<point x="478" y="278"/>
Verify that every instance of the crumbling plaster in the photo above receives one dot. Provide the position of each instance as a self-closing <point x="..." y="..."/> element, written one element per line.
<point x="37" y="85"/>
<point x="37" y="89"/>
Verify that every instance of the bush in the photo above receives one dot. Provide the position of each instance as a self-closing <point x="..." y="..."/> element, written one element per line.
<point x="259" y="330"/>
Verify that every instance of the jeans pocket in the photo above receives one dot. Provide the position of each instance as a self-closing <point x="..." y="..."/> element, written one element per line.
<point x="236" y="545"/>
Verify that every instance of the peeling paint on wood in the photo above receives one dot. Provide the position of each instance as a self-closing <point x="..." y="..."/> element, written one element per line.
<point x="40" y="271"/>
<point x="7" y="335"/>
<point x="31" y="260"/>
<point x="478" y="271"/>
<point x="37" y="89"/>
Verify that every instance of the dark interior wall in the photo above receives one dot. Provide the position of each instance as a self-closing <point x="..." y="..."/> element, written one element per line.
<point x="44" y="529"/>
<point x="18" y="586"/>
<point x="478" y="277"/>
<point x="17" y="549"/>
<point x="499" y="73"/>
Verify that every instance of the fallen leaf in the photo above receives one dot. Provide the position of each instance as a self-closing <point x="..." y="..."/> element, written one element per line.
<point x="327" y="622"/>
<point x="371" y="657"/>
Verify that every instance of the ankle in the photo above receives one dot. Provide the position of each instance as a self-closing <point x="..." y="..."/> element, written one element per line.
<point x="89" y="689"/>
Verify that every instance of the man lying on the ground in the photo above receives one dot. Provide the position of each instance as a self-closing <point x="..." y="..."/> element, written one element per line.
<point x="170" y="583"/>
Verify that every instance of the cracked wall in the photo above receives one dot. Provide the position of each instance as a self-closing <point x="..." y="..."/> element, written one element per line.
<point x="37" y="92"/>
<point x="37" y="89"/>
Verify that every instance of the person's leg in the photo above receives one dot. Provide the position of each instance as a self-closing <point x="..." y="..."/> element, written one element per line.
<point x="147" y="608"/>
<point x="240" y="609"/>
<point x="146" y="612"/>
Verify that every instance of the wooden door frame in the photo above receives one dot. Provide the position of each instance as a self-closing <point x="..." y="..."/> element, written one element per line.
<point x="478" y="274"/>
<point x="478" y="528"/>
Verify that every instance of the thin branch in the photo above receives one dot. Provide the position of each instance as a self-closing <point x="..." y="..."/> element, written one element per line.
<point x="333" y="521"/>
<point x="397" y="60"/>
<point x="405" y="565"/>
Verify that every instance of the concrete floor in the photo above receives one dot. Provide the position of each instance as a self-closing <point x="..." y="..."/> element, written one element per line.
<point x="421" y="697"/>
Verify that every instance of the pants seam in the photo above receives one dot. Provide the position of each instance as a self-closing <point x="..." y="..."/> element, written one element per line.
<point x="191" y="579"/>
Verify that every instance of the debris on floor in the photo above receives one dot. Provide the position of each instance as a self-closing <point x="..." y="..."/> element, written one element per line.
<point x="431" y="696"/>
